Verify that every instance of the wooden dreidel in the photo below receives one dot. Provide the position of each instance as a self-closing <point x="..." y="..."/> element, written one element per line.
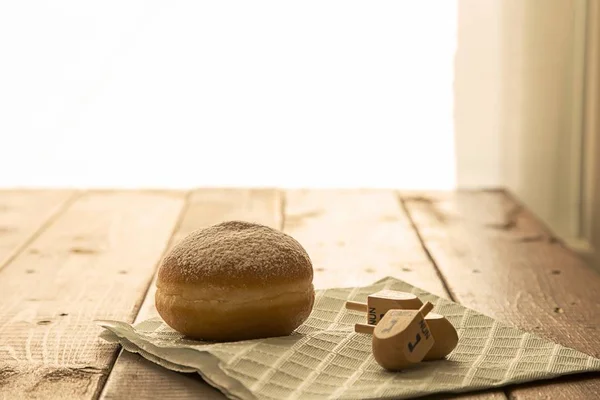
<point x="402" y="338"/>
<point x="381" y="302"/>
<point x="446" y="337"/>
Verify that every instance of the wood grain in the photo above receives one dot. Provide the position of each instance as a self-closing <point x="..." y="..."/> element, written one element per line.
<point x="24" y="214"/>
<point x="94" y="262"/>
<point x="135" y="377"/>
<point x="355" y="237"/>
<point x="498" y="259"/>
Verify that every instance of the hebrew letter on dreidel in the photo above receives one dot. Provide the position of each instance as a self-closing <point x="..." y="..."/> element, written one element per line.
<point x="402" y="338"/>
<point x="446" y="337"/>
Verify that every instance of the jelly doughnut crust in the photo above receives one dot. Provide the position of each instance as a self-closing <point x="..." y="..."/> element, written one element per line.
<point x="235" y="281"/>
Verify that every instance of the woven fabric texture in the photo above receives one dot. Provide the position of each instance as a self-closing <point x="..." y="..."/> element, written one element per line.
<point x="326" y="359"/>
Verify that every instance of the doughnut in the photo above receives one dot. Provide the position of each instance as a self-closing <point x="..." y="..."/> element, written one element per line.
<point x="235" y="281"/>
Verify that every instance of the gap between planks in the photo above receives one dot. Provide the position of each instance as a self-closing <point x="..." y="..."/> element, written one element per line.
<point x="330" y="224"/>
<point x="440" y="275"/>
<point x="499" y="394"/>
<point x="96" y="245"/>
<point x="133" y="375"/>
<point x="499" y="259"/>
<point x="176" y="227"/>
<point x="528" y="233"/>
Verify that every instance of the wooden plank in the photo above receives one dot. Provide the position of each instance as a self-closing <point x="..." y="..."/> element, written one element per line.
<point x="355" y="237"/>
<point x="94" y="262"/>
<point x="24" y="214"/>
<point x="498" y="259"/>
<point x="135" y="377"/>
<point x="565" y="388"/>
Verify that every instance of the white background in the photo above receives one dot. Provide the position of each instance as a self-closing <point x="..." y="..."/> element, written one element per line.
<point x="223" y="93"/>
<point x="403" y="94"/>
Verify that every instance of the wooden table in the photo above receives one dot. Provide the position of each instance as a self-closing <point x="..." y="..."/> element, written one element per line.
<point x="69" y="257"/>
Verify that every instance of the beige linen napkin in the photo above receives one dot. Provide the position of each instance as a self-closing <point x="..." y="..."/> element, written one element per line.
<point x="325" y="359"/>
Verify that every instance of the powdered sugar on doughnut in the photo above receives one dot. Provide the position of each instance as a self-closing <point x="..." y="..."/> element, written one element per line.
<point x="239" y="254"/>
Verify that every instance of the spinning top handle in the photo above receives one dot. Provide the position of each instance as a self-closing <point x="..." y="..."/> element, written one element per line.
<point x="425" y="308"/>
<point x="356" y="306"/>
